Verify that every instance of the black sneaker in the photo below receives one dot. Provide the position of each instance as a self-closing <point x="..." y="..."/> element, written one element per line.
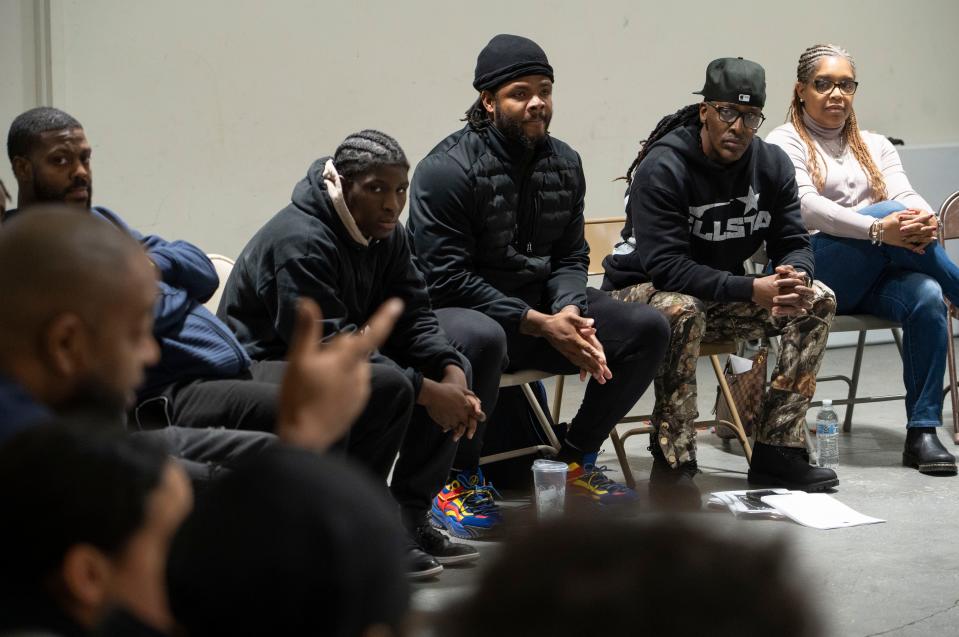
<point x="788" y="467"/>
<point x="440" y="547"/>
<point x="670" y="488"/>
<point x="420" y="564"/>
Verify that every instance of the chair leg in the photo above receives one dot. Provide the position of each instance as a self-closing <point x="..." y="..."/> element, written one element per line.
<point x="951" y="356"/>
<point x="558" y="397"/>
<point x="897" y="336"/>
<point x="854" y="381"/>
<point x="541" y="418"/>
<point x="621" y="455"/>
<point x="733" y="410"/>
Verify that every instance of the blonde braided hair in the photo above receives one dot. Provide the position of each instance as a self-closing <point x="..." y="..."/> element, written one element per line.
<point x="808" y="62"/>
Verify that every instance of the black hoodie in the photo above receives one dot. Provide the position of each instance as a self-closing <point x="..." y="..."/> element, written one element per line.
<point x="696" y="220"/>
<point x="305" y="250"/>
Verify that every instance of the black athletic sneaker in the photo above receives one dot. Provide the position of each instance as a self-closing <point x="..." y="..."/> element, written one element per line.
<point x="788" y="467"/>
<point x="440" y="547"/>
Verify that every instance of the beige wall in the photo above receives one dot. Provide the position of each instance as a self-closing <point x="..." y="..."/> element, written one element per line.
<point x="204" y="114"/>
<point x="18" y="73"/>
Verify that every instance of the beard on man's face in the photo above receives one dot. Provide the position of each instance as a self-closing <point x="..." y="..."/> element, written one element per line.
<point x="512" y="128"/>
<point x="44" y="193"/>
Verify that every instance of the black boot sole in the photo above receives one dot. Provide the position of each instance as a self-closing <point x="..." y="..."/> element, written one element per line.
<point x="936" y="468"/>
<point x="765" y="480"/>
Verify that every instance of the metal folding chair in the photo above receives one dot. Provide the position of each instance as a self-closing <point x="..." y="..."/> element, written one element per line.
<point x="949" y="229"/>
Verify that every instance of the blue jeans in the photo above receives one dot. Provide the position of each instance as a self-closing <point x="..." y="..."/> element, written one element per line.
<point x="896" y="284"/>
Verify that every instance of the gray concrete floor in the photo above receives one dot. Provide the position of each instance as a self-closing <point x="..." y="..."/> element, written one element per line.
<point x="896" y="578"/>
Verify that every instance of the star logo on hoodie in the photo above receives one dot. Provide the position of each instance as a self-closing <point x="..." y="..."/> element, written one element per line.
<point x="751" y="200"/>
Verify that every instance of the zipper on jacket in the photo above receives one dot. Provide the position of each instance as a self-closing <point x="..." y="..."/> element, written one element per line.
<point x="526" y="208"/>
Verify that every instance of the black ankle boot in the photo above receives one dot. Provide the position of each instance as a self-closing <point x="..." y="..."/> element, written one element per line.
<point x="923" y="451"/>
<point x="788" y="467"/>
<point x="673" y="489"/>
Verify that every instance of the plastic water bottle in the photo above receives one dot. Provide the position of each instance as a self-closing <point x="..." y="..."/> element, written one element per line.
<point x="827" y="436"/>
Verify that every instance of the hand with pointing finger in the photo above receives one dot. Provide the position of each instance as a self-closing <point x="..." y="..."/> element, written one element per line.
<point x="326" y="385"/>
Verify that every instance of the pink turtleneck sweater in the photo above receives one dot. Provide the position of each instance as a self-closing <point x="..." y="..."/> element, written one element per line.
<point x="846" y="189"/>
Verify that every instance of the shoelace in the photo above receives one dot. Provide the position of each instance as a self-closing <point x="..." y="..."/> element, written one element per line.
<point x="596" y="478"/>
<point x="480" y="499"/>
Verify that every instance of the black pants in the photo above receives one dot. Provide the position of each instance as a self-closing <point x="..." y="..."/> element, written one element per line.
<point x="426" y="451"/>
<point x="246" y="402"/>
<point x="635" y="342"/>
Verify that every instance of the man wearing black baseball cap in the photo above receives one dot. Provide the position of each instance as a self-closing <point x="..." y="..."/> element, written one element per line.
<point x="496" y="216"/>
<point x="704" y="195"/>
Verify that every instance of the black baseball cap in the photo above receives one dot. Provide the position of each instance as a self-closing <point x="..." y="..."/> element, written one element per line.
<point x="735" y="80"/>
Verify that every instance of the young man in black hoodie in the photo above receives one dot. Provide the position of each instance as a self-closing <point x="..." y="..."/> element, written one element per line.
<point x="496" y="215"/>
<point x="340" y="243"/>
<point x="704" y="195"/>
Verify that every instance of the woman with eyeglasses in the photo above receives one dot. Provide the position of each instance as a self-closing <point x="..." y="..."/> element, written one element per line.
<point x="874" y="237"/>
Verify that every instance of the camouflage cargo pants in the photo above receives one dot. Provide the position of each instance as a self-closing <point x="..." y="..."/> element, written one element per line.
<point x="802" y="344"/>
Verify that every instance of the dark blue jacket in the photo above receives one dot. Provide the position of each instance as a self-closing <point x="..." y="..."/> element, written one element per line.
<point x="193" y="342"/>
<point x="18" y="409"/>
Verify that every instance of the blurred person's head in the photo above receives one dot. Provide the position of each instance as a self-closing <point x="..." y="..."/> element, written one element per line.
<point x="660" y="578"/>
<point x="280" y="547"/>
<point x="515" y="83"/>
<point x="88" y="520"/>
<point x="77" y="313"/>
<point x="375" y="177"/>
<point x="50" y="156"/>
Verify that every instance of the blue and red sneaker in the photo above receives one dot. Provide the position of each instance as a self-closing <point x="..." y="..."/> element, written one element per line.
<point x="589" y="481"/>
<point x="466" y="507"/>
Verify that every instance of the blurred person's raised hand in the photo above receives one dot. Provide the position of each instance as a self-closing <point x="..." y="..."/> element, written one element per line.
<point x="326" y="385"/>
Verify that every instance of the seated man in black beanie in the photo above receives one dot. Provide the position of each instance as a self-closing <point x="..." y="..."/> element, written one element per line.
<point x="281" y="548"/>
<point x="340" y="243"/>
<point x="496" y="217"/>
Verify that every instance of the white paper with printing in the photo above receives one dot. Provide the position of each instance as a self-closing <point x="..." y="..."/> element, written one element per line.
<point x="746" y="504"/>
<point x="817" y="510"/>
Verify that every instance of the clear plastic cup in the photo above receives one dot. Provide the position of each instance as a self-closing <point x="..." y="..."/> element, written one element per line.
<point x="549" y="479"/>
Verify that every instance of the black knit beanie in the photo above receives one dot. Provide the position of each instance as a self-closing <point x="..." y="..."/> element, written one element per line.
<point x="507" y="57"/>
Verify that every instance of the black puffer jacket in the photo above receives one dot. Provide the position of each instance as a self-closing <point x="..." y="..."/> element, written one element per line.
<point x="499" y="228"/>
<point x="305" y="250"/>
